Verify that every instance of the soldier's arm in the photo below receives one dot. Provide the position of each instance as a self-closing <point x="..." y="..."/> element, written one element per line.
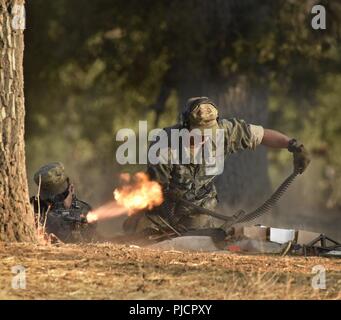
<point x="160" y="173"/>
<point x="240" y="135"/>
<point x="275" y="139"/>
<point x="162" y="170"/>
<point x="248" y="136"/>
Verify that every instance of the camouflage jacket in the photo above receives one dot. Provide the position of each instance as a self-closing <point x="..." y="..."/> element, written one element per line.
<point x="190" y="181"/>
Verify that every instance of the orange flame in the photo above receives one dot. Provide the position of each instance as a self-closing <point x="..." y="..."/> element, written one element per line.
<point x="137" y="193"/>
<point x="106" y="211"/>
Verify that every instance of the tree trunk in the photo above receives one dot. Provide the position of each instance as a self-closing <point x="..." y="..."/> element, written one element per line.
<point x="245" y="182"/>
<point x="16" y="217"/>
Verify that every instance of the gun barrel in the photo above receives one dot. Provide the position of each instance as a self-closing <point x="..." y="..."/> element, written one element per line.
<point x="205" y="211"/>
<point x="75" y="219"/>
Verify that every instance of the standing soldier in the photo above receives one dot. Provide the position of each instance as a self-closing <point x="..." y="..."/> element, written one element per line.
<point x="57" y="207"/>
<point x="191" y="181"/>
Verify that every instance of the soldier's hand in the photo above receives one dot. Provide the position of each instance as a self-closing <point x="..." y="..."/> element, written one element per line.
<point x="68" y="199"/>
<point x="301" y="156"/>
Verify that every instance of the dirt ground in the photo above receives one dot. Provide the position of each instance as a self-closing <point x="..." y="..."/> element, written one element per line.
<point x="109" y="271"/>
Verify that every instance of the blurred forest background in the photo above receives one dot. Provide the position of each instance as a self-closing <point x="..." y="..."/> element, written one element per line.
<point x="93" y="67"/>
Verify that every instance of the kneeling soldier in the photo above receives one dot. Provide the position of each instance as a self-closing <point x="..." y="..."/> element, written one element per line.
<point x="57" y="207"/>
<point x="190" y="181"/>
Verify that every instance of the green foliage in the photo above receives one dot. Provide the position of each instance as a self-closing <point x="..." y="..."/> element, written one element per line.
<point x="92" y="67"/>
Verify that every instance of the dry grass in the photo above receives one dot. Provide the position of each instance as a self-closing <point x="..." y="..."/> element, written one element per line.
<point x="109" y="271"/>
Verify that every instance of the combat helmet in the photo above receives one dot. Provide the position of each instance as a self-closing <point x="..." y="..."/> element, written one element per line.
<point x="190" y="118"/>
<point x="53" y="180"/>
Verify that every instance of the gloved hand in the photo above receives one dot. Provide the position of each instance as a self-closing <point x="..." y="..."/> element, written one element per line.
<point x="301" y="156"/>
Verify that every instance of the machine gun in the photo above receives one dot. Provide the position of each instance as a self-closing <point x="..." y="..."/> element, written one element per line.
<point x="75" y="227"/>
<point x="74" y="214"/>
<point x="240" y="216"/>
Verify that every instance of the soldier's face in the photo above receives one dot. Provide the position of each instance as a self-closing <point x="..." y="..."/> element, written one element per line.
<point x="206" y="111"/>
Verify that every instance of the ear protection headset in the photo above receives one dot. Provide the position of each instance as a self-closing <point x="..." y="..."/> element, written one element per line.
<point x="191" y="104"/>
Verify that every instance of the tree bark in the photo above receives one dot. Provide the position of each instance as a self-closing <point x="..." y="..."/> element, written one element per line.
<point x="16" y="217"/>
<point x="241" y="94"/>
<point x="245" y="182"/>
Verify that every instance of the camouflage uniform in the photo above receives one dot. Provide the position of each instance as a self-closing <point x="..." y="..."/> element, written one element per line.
<point x="64" y="223"/>
<point x="190" y="181"/>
